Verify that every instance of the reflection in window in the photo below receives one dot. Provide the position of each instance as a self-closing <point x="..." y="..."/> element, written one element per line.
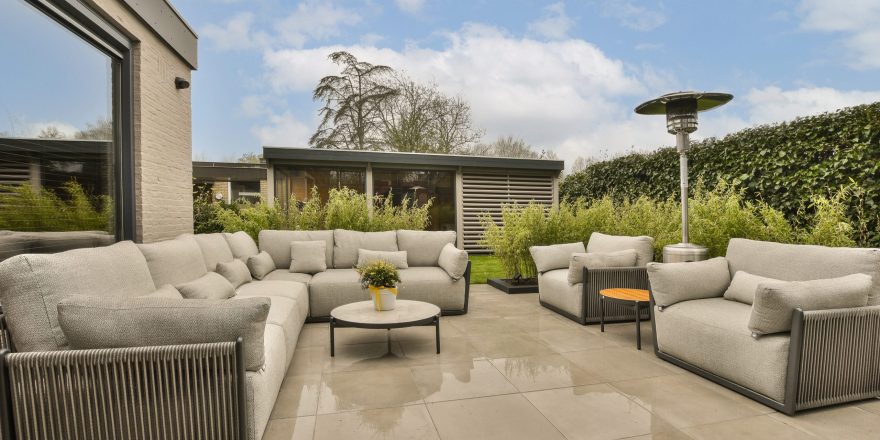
<point x="57" y="136"/>
<point x="245" y="191"/>
<point x="420" y="187"/>
<point x="296" y="183"/>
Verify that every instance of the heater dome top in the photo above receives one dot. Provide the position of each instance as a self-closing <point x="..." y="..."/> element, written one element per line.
<point x="705" y="101"/>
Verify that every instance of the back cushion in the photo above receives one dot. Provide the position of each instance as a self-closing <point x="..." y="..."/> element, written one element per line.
<point x="31" y="285"/>
<point x="174" y="261"/>
<point x="241" y="244"/>
<point x="554" y="256"/>
<point x="423" y="247"/>
<point x="277" y="244"/>
<point x="798" y="262"/>
<point x="347" y="243"/>
<point x="603" y="244"/>
<point x="214" y="250"/>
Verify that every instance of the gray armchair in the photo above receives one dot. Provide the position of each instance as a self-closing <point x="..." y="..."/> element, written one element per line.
<point x="829" y="355"/>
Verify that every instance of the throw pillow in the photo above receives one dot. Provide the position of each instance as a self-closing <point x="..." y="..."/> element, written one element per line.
<point x="743" y="286"/>
<point x="241" y="244"/>
<point x="624" y="258"/>
<point x="555" y="256"/>
<point x="676" y="282"/>
<point x="454" y="261"/>
<point x="308" y="256"/>
<point x="167" y="291"/>
<point x="236" y="272"/>
<point x="210" y="286"/>
<point x="260" y="265"/>
<point x="397" y="258"/>
<point x="99" y="322"/>
<point x="775" y="301"/>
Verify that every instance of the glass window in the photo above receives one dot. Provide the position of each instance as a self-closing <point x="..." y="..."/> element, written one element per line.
<point x="420" y="187"/>
<point x="58" y="136"/>
<point x="296" y="183"/>
<point x="247" y="191"/>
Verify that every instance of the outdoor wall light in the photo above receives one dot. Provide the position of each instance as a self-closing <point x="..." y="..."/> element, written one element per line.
<point x="181" y="83"/>
<point x="681" y="110"/>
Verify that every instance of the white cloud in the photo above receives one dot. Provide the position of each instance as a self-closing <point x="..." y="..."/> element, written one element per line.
<point x="235" y="33"/>
<point x="772" y="104"/>
<point x="633" y="16"/>
<point x="410" y="6"/>
<point x="314" y="20"/>
<point x="856" y="19"/>
<point x="283" y="130"/>
<point x="553" y="24"/>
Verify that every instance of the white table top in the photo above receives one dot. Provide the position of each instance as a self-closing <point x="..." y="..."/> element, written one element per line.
<point x="363" y="312"/>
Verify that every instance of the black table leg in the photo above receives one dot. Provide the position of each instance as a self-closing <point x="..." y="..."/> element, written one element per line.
<point x="332" y="337"/>
<point x="638" y="326"/>
<point x="602" y="313"/>
<point x="437" y="327"/>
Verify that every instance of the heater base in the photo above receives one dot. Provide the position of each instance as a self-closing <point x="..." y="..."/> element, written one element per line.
<point x="684" y="252"/>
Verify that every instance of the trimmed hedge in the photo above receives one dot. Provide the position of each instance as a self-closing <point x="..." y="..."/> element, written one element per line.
<point x="781" y="164"/>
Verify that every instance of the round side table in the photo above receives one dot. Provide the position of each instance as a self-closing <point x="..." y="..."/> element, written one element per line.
<point x="635" y="298"/>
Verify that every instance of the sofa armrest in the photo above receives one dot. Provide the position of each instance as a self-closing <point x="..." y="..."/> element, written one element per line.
<point x="145" y="392"/>
<point x="675" y="282"/>
<point x="834" y="357"/>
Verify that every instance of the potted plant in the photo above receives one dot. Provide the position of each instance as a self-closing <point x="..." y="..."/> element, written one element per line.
<point x="381" y="277"/>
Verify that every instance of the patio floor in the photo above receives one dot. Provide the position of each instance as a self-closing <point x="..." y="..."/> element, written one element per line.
<point x="511" y="369"/>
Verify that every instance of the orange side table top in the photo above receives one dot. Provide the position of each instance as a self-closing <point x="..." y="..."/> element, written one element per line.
<point x="634" y="295"/>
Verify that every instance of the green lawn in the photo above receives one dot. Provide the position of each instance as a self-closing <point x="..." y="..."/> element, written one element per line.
<point x="484" y="267"/>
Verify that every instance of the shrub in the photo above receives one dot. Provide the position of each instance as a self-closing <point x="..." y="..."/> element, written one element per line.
<point x="782" y="164"/>
<point x="716" y="216"/>
<point x="345" y="209"/>
<point x="26" y="210"/>
<point x="379" y="273"/>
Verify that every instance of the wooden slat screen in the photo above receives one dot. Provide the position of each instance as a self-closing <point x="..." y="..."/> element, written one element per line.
<point x="487" y="193"/>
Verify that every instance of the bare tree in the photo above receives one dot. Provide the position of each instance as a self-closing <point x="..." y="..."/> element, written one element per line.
<point x="580" y="164"/>
<point x="509" y="146"/>
<point x="100" y="130"/>
<point x="250" y="158"/>
<point x="350" y="115"/>
<point x="422" y="119"/>
<point x="50" y="132"/>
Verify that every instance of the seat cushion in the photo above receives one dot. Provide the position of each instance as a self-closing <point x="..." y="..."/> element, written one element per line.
<point x="31" y="285"/>
<point x="713" y="334"/>
<point x="286" y="275"/>
<point x="289" y="308"/>
<point x="241" y="244"/>
<point x="423" y="247"/>
<point x="262" y="386"/>
<point x="798" y="262"/>
<point x="347" y="243"/>
<point x="277" y="244"/>
<point x="174" y="261"/>
<point x="433" y="285"/>
<point x="95" y="322"/>
<point x="332" y="288"/>
<point x="286" y="289"/>
<point x="604" y="243"/>
<point x="554" y="289"/>
<point x="215" y="249"/>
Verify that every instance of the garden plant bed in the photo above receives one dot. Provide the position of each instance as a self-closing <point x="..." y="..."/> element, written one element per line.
<point x="511" y="286"/>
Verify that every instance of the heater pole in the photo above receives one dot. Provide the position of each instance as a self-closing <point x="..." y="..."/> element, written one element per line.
<point x="682" y="142"/>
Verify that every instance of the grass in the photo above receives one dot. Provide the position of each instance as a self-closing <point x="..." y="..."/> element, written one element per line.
<point x="484" y="267"/>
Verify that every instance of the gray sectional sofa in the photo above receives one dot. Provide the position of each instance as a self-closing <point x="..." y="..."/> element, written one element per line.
<point x="577" y="298"/>
<point x="791" y="326"/>
<point x="120" y="307"/>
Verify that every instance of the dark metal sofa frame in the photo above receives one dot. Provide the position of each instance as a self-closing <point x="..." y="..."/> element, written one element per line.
<point x="462" y="311"/>
<point x="194" y="391"/>
<point x="833" y="358"/>
<point x="607" y="278"/>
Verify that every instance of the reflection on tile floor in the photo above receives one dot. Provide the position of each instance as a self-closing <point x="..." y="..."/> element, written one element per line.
<point x="511" y="369"/>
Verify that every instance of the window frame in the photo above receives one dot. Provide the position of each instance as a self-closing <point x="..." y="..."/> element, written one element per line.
<point x="93" y="29"/>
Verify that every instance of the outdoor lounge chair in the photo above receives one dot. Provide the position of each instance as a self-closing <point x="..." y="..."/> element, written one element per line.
<point x="580" y="301"/>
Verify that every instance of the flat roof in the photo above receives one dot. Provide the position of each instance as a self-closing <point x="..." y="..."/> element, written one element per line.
<point x="234" y="171"/>
<point x="387" y="157"/>
<point x="166" y="21"/>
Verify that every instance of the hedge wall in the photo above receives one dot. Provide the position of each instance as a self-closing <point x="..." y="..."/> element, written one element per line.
<point x="781" y="164"/>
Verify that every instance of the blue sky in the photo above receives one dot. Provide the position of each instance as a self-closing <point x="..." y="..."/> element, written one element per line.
<point x="563" y="76"/>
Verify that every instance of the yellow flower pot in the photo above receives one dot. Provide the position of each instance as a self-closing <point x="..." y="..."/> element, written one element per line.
<point x="384" y="298"/>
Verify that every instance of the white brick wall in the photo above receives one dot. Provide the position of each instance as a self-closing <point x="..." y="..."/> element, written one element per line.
<point x="162" y="130"/>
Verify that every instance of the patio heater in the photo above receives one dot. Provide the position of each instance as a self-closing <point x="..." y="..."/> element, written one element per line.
<point x="681" y="110"/>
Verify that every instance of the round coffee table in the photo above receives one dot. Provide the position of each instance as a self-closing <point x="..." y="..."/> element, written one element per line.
<point x="637" y="298"/>
<point x="364" y="315"/>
